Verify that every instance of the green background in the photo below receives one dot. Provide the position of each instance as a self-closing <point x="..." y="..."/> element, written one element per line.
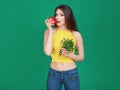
<point x="23" y="64"/>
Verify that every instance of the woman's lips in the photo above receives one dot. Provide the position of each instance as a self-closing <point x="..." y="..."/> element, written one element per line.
<point x="58" y="21"/>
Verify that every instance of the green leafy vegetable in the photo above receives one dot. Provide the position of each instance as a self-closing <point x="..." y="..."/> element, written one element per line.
<point x="68" y="44"/>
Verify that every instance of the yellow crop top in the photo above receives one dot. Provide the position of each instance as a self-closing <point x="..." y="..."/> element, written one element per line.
<point x="56" y="42"/>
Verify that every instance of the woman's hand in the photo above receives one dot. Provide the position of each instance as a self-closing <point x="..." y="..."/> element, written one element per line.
<point x="64" y="52"/>
<point x="49" y="23"/>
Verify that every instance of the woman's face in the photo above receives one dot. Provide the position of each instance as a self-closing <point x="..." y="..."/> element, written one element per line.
<point x="60" y="18"/>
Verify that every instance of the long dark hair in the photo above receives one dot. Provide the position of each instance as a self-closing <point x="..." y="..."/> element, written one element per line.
<point x="69" y="17"/>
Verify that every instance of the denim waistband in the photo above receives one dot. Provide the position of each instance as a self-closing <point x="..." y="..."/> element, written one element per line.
<point x="66" y="71"/>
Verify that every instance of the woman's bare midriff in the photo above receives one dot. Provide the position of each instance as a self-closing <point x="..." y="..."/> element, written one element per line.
<point x="62" y="66"/>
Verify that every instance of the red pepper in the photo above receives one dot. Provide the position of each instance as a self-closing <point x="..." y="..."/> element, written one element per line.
<point x="52" y="19"/>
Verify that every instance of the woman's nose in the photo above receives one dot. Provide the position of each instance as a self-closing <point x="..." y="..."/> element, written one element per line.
<point x="57" y="17"/>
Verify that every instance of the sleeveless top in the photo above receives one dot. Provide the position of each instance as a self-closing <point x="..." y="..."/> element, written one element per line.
<point x="56" y="45"/>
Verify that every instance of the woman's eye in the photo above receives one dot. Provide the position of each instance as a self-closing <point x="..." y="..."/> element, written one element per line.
<point x="62" y="15"/>
<point x="56" y="14"/>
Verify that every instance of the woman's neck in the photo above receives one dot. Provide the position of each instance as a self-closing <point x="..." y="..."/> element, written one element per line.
<point x="63" y="28"/>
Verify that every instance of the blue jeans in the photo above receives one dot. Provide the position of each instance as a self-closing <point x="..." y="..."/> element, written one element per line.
<point x="70" y="80"/>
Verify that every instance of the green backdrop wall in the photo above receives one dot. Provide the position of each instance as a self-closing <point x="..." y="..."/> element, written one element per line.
<point x="23" y="64"/>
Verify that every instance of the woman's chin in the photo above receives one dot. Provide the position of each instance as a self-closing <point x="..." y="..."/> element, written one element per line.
<point x="59" y="25"/>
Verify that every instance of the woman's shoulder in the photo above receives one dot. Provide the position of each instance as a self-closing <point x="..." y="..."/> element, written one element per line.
<point x="77" y="34"/>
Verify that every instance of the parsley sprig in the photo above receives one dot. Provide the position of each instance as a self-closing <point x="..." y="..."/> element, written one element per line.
<point x="68" y="44"/>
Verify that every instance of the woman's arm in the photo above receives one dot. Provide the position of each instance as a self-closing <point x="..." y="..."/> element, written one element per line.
<point x="48" y="42"/>
<point x="80" y="56"/>
<point x="48" y="38"/>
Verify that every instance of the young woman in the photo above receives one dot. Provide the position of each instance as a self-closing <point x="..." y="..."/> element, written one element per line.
<point x="63" y="70"/>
